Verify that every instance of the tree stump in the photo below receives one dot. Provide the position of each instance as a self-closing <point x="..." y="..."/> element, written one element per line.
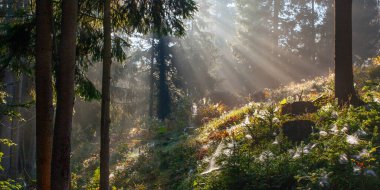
<point x="298" y="130"/>
<point x="298" y="108"/>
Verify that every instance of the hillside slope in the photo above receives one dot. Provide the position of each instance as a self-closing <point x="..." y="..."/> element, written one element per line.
<point x="298" y="138"/>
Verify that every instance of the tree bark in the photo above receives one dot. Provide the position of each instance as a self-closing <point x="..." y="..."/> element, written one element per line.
<point x="163" y="107"/>
<point x="65" y="97"/>
<point x="44" y="92"/>
<point x="151" y="82"/>
<point x="313" y="34"/>
<point x="105" y="115"/>
<point x="344" y="77"/>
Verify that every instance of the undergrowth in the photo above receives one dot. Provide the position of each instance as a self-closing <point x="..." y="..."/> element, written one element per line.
<point x="342" y="151"/>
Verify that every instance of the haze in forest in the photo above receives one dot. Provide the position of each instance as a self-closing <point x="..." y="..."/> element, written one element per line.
<point x="170" y="85"/>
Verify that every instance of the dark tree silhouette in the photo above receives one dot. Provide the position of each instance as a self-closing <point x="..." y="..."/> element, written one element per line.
<point x="65" y="97"/>
<point x="163" y="107"/>
<point x="344" y="77"/>
<point x="44" y="92"/>
<point x="106" y="83"/>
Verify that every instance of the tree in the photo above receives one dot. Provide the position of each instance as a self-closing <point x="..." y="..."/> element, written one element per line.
<point x="366" y="26"/>
<point x="106" y="83"/>
<point x="344" y="77"/>
<point x="164" y="100"/>
<point x="163" y="17"/>
<point x="44" y="92"/>
<point x="65" y="97"/>
<point x="151" y="81"/>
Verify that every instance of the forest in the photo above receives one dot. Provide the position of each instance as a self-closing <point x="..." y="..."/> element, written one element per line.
<point x="189" y="94"/>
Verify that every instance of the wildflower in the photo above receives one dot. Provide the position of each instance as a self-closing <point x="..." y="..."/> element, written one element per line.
<point x="343" y="159"/>
<point x="370" y="173"/>
<point x="344" y="130"/>
<point x="334" y="129"/>
<point x="327" y="108"/>
<point x="262" y="114"/>
<point x="265" y="156"/>
<point x="246" y="121"/>
<point x="324" y="181"/>
<point x="195" y="109"/>
<point x="275" y="120"/>
<point x="323" y="133"/>
<point x="364" y="153"/>
<point x="356" y="169"/>
<point x="248" y="137"/>
<point x="308" y="148"/>
<point x="255" y="113"/>
<point x="334" y="115"/>
<point x="297" y="154"/>
<point x="312" y="146"/>
<point x="120" y="168"/>
<point x="275" y="141"/>
<point x="352" y="139"/>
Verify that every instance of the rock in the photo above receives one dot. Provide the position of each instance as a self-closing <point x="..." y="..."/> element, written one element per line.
<point x="298" y="130"/>
<point x="299" y="108"/>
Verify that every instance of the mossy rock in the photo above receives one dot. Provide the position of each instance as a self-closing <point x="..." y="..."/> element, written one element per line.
<point x="298" y="130"/>
<point x="298" y="108"/>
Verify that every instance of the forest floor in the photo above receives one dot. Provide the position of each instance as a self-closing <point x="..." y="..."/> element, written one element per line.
<point x="298" y="138"/>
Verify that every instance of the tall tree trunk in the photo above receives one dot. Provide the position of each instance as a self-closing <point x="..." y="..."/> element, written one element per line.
<point x="313" y="35"/>
<point x="344" y="77"/>
<point x="151" y="82"/>
<point x="65" y="97"/>
<point x="163" y="107"/>
<point x="105" y="115"/>
<point x="44" y="92"/>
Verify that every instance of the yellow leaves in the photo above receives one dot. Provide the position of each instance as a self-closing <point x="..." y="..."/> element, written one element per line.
<point x="3" y="96"/>
<point x="284" y="101"/>
<point x="32" y="94"/>
<point x="373" y="149"/>
<point x="376" y="61"/>
<point x="7" y="142"/>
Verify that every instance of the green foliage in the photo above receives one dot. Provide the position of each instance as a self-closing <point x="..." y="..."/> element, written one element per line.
<point x="158" y="168"/>
<point x="7" y="142"/>
<point x="10" y="185"/>
<point x="86" y="89"/>
<point x="17" y="45"/>
<point x="206" y="111"/>
<point x="375" y="72"/>
<point x="94" y="183"/>
<point x="342" y="153"/>
<point x="330" y="161"/>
